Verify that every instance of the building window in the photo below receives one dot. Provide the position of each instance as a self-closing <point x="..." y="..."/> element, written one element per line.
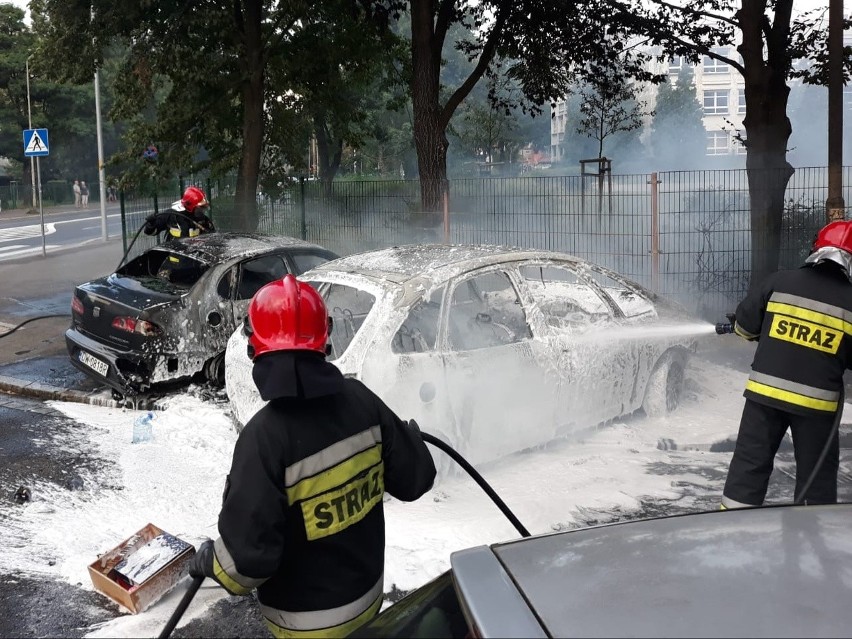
<point x="715" y="102"/>
<point x="741" y="103"/>
<point x="675" y="64"/>
<point x="717" y="143"/>
<point x="712" y="66"/>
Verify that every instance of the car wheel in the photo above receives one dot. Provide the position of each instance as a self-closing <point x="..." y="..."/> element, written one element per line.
<point x="665" y="385"/>
<point x="214" y="370"/>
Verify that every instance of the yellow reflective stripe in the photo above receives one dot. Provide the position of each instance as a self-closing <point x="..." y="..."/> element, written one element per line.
<point x="739" y="330"/>
<point x="336" y="475"/>
<point x="174" y="232"/>
<point x="812" y="316"/>
<point x="341" y="630"/>
<point x="225" y="579"/>
<point x="790" y="397"/>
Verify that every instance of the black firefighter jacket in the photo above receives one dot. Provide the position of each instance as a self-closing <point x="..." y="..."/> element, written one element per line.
<point x="178" y="223"/>
<point x="803" y="319"/>
<point x="302" y="518"/>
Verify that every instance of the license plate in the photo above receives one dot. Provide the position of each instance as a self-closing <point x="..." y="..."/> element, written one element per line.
<point x="101" y="368"/>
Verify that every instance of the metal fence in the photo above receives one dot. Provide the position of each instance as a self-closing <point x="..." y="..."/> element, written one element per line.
<point x="685" y="234"/>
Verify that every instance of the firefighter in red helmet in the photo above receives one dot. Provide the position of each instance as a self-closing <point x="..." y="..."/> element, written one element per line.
<point x="802" y="318"/>
<point x="302" y="520"/>
<point x="186" y="218"/>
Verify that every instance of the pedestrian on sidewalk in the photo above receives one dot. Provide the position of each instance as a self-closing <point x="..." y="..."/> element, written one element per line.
<point x="84" y="195"/>
<point x="77" y="193"/>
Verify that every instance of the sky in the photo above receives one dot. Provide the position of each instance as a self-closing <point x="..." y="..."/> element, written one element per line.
<point x="562" y="485"/>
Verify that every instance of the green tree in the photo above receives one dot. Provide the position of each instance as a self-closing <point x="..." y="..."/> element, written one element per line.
<point x="608" y="104"/>
<point x="196" y="76"/>
<point x="773" y="46"/>
<point x="545" y="41"/>
<point x="677" y="134"/>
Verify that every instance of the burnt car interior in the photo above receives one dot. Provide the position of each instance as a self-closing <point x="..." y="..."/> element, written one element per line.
<point x="419" y="331"/>
<point x="164" y="271"/>
<point x="567" y="301"/>
<point x="348" y="307"/>
<point x="485" y="311"/>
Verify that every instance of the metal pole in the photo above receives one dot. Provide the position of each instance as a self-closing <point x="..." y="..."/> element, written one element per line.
<point x="655" y="233"/>
<point x="446" y="203"/>
<point x="303" y="230"/>
<point x="834" y="205"/>
<point x="101" y="170"/>
<point x="41" y="208"/>
<point x="30" y="119"/>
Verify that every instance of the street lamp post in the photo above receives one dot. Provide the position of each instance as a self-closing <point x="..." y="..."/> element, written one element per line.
<point x="101" y="171"/>
<point x="835" y="207"/>
<point x="32" y="165"/>
<point x="30" y="120"/>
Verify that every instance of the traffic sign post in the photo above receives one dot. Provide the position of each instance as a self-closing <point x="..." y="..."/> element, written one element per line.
<point x="37" y="145"/>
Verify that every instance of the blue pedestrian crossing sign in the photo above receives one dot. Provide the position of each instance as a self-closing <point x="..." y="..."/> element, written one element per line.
<point x="35" y="143"/>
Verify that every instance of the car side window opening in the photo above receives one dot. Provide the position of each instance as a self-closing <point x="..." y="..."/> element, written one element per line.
<point x="223" y="288"/>
<point x="419" y="331"/>
<point x="630" y="302"/>
<point x="485" y="311"/>
<point x="306" y="261"/>
<point x="257" y="272"/>
<point x="164" y="271"/>
<point x="565" y="299"/>
<point x="348" y="307"/>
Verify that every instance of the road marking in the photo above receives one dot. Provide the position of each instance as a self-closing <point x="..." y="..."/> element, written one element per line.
<point x="86" y="219"/>
<point x="25" y="232"/>
<point x="4" y="255"/>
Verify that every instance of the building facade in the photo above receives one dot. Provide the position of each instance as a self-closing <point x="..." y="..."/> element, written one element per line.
<point x="719" y="88"/>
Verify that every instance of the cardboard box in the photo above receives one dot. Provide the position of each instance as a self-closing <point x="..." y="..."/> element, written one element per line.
<point x="135" y="597"/>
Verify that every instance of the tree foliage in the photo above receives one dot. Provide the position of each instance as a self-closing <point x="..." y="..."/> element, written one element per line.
<point x="677" y="135"/>
<point x="203" y="79"/>
<point x="608" y="104"/>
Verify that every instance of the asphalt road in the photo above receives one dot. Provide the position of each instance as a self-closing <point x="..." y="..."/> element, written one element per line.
<point x="21" y="237"/>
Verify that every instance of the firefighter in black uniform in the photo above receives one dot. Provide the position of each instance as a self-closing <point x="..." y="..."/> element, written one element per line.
<point x="186" y="218"/>
<point x="302" y="519"/>
<point x="802" y="318"/>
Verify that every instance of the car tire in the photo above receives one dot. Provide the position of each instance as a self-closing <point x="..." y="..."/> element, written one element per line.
<point x="214" y="370"/>
<point x="665" y="385"/>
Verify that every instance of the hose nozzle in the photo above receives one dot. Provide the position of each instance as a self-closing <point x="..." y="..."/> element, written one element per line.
<point x="723" y="328"/>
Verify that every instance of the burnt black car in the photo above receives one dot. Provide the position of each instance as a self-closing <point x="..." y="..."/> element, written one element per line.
<point x="168" y="313"/>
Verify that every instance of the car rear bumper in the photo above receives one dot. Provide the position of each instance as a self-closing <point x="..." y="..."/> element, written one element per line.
<point x="122" y="370"/>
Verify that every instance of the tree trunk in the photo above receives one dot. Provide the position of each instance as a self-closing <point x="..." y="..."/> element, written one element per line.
<point x="767" y="128"/>
<point x="430" y="139"/>
<point x="253" y="87"/>
<point x="329" y="154"/>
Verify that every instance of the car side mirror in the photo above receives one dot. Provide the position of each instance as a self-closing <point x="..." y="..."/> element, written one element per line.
<point x="214" y="318"/>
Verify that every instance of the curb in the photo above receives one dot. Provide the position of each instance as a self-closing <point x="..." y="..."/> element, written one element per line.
<point x="37" y="390"/>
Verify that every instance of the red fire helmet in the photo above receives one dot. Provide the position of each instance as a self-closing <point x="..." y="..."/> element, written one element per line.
<point x="837" y="234"/>
<point x="287" y="315"/>
<point x="192" y="198"/>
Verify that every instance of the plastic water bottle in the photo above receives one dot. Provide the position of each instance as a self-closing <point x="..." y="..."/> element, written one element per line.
<point x="142" y="428"/>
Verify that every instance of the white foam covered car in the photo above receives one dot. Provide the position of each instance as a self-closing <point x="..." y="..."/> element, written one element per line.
<point x="493" y="349"/>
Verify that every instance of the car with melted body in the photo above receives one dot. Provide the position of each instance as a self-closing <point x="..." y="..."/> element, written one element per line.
<point x="167" y="314"/>
<point x="492" y="348"/>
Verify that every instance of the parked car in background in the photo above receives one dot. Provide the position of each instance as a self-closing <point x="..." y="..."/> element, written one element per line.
<point x="168" y="313"/>
<point x="783" y="571"/>
<point x="493" y="349"/>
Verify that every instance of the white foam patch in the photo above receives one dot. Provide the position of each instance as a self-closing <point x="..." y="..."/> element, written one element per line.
<point x="175" y="481"/>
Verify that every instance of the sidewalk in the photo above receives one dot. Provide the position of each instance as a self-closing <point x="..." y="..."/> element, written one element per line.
<point x="8" y="215"/>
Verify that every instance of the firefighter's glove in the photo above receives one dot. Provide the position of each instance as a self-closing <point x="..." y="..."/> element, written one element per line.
<point x="150" y="224"/>
<point x="201" y="564"/>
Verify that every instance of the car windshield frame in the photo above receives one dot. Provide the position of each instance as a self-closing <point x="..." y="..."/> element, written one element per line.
<point x="157" y="280"/>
